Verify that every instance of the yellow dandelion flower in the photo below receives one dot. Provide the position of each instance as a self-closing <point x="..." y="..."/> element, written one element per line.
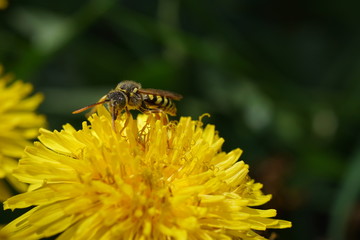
<point x="152" y="181"/>
<point x="3" y="4"/>
<point x="18" y="125"/>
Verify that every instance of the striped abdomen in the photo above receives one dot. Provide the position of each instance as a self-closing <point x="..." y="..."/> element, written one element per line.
<point x="157" y="103"/>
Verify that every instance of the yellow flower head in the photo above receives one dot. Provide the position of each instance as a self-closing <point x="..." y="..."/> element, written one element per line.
<point x="3" y="4"/>
<point x="152" y="181"/>
<point x="18" y="124"/>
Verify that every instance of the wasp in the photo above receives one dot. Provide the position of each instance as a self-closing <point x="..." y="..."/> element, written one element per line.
<point x="129" y="95"/>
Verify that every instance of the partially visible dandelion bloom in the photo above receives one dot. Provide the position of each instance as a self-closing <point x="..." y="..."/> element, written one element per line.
<point x="18" y="125"/>
<point x="151" y="181"/>
<point x="3" y="4"/>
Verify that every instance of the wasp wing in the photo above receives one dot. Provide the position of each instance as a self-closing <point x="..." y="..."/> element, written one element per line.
<point x="158" y="92"/>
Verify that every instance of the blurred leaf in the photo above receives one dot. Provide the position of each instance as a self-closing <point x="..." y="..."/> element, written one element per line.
<point x="210" y="50"/>
<point x="49" y="32"/>
<point x="345" y="200"/>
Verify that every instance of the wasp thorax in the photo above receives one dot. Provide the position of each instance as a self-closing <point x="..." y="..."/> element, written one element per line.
<point x="128" y="86"/>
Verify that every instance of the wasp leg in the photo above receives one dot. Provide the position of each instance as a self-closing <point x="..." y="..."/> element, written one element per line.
<point x="128" y="115"/>
<point x="149" y="112"/>
<point x="114" y="113"/>
<point x="159" y="113"/>
<point x="148" y="120"/>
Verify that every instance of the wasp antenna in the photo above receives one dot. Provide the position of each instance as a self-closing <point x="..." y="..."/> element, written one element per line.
<point x="87" y="107"/>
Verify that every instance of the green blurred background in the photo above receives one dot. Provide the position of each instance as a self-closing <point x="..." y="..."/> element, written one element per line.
<point x="279" y="78"/>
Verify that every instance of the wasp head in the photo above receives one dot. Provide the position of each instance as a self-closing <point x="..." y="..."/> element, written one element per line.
<point x="130" y="89"/>
<point x="117" y="102"/>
